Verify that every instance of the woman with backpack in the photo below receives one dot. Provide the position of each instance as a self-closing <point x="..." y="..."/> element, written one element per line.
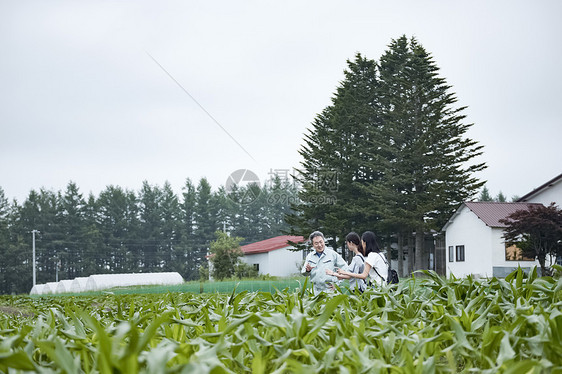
<point x="357" y="265"/>
<point x="376" y="267"/>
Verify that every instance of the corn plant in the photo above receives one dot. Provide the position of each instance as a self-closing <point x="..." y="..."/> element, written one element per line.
<point x="422" y="325"/>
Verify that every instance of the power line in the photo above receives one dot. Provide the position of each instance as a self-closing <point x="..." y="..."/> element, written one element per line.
<point x="200" y="106"/>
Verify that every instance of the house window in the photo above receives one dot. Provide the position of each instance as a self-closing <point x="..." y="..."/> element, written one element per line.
<point x="257" y="267"/>
<point x="460" y="252"/>
<point x="451" y="253"/>
<point x="514" y="253"/>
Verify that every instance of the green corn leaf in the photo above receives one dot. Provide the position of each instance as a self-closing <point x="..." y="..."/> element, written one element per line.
<point x="506" y="351"/>
<point x="18" y="360"/>
<point x="519" y="367"/>
<point x="319" y="322"/>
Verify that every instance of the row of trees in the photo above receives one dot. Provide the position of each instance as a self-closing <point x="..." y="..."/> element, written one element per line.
<point x="391" y="151"/>
<point x="124" y="231"/>
<point x="500" y="197"/>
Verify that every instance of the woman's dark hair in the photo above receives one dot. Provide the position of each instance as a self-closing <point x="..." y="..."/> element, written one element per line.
<point x="370" y="240"/>
<point x="354" y="238"/>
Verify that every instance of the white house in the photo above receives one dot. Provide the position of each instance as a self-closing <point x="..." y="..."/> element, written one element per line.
<point x="474" y="241"/>
<point x="274" y="256"/>
<point x="550" y="192"/>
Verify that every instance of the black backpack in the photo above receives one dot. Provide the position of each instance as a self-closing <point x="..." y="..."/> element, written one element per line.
<point x="392" y="276"/>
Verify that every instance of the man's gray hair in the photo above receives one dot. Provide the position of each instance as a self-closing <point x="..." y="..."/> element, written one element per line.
<point x="315" y="234"/>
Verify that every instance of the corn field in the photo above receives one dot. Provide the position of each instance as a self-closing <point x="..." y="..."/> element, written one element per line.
<point x="424" y="325"/>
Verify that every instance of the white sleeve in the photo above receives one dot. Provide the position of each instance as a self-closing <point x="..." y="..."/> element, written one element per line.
<point x="303" y="270"/>
<point x="354" y="266"/>
<point x="381" y="268"/>
<point x="371" y="260"/>
<point x="377" y="263"/>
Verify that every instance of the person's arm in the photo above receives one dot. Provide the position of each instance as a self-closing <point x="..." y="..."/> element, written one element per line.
<point x="308" y="266"/>
<point x="340" y="263"/>
<point x="352" y="268"/>
<point x="303" y="270"/>
<point x="362" y="275"/>
<point x="338" y="275"/>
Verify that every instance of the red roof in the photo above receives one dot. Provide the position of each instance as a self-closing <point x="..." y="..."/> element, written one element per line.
<point x="491" y="212"/>
<point x="272" y="244"/>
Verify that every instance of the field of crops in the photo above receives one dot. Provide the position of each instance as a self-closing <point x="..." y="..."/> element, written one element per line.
<point x="250" y="285"/>
<point x="511" y="325"/>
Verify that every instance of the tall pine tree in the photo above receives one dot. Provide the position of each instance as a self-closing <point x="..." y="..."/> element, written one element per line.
<point x="73" y="227"/>
<point x="333" y="170"/>
<point x="425" y="160"/>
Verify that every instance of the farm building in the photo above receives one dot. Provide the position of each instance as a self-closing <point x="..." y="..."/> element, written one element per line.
<point x="37" y="289"/>
<point x="64" y="286"/>
<point x="274" y="256"/>
<point x="78" y="284"/>
<point x="100" y="282"/>
<point x="474" y="241"/>
<point x="50" y="288"/>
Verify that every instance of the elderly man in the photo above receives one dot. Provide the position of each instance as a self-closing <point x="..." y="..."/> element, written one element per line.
<point x="319" y="261"/>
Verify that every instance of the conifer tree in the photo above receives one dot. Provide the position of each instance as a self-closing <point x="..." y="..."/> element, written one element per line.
<point x="5" y="252"/>
<point x="485" y="195"/>
<point x="424" y="159"/>
<point x="205" y="222"/>
<point x="72" y="227"/>
<point x="119" y="227"/>
<point x="501" y="198"/>
<point x="170" y="230"/>
<point x="187" y="243"/>
<point x="334" y="163"/>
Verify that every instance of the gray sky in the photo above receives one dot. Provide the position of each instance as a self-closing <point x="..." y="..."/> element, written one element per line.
<point x="81" y="99"/>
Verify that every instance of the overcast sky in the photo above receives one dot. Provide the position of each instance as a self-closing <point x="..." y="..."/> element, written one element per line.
<point x="90" y="90"/>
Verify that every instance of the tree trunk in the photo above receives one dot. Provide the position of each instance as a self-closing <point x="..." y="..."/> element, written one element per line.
<point x="401" y="254"/>
<point x="544" y="271"/>
<point x="410" y="255"/>
<point x="419" y="249"/>
<point x="389" y="253"/>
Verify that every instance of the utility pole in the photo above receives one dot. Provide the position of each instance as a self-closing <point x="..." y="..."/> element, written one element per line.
<point x="33" y="260"/>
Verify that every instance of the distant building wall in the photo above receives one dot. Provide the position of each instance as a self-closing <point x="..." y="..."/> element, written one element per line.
<point x="279" y="262"/>
<point x="283" y="263"/>
<point x="469" y="231"/>
<point x="501" y="266"/>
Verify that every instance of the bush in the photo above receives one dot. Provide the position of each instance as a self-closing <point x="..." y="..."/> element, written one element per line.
<point x="244" y="270"/>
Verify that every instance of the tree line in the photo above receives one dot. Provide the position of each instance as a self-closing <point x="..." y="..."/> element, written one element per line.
<point x="124" y="231"/>
<point x="485" y="195"/>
